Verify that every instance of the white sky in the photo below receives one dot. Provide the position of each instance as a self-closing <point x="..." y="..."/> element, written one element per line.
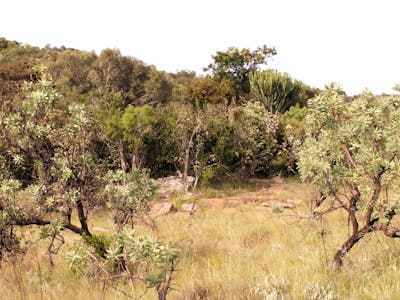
<point x="352" y="42"/>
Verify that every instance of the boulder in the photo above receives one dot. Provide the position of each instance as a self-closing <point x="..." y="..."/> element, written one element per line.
<point x="159" y="209"/>
<point x="167" y="185"/>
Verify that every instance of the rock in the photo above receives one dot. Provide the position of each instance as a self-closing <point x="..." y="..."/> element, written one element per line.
<point x="190" y="207"/>
<point x="281" y="203"/>
<point x="171" y="184"/>
<point x="159" y="209"/>
<point x="277" y="180"/>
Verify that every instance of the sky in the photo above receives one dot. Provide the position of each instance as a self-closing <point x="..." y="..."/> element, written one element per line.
<point x="351" y="42"/>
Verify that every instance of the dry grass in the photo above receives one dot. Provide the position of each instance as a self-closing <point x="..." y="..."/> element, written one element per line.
<point x="227" y="251"/>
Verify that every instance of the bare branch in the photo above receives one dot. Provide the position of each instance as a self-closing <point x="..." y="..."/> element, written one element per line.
<point x="318" y="215"/>
<point x="389" y="231"/>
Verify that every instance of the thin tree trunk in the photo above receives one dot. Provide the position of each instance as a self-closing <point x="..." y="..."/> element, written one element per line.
<point x="352" y="240"/>
<point x="134" y="161"/>
<point x="186" y="166"/>
<point x="356" y="233"/>
<point x="374" y="198"/>
<point x="187" y="154"/>
<point x="124" y="164"/>
<point x="82" y="217"/>
<point x="346" y="247"/>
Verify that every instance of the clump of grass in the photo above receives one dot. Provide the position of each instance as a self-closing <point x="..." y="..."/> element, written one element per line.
<point x="316" y="291"/>
<point x="271" y="288"/>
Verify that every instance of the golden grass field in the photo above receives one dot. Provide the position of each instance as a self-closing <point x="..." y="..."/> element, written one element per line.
<point x="228" y="248"/>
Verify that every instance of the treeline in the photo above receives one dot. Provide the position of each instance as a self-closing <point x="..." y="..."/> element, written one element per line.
<point x="238" y="120"/>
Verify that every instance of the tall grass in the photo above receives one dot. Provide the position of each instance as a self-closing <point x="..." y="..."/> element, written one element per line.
<point x="228" y="252"/>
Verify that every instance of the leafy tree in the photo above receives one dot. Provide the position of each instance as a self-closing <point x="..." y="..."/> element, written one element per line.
<point x="205" y="90"/>
<point x="129" y="256"/>
<point x="124" y="129"/>
<point x="178" y="137"/>
<point x="275" y="90"/>
<point x="351" y="155"/>
<point x="70" y="72"/>
<point x="256" y="137"/>
<point x="111" y="72"/>
<point x="185" y="126"/>
<point x="292" y="131"/>
<point x="161" y="146"/>
<point x="66" y="174"/>
<point x="158" y="87"/>
<point x="108" y="112"/>
<point x="128" y="195"/>
<point x="236" y="64"/>
<point x="15" y="67"/>
<point x="219" y="153"/>
<point x="139" y="76"/>
<point x="146" y="259"/>
<point x="136" y="123"/>
<point x="58" y="159"/>
<point x="181" y="81"/>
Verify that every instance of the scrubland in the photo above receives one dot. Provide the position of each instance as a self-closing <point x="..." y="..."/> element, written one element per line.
<point x="230" y="250"/>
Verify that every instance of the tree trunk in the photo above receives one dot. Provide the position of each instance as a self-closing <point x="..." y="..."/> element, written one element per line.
<point x="135" y="158"/>
<point x="124" y="164"/>
<point x="346" y="247"/>
<point x="82" y="217"/>
<point x="186" y="167"/>
<point x="134" y="161"/>
<point x="341" y="253"/>
<point x="187" y="154"/>
<point x="161" y="295"/>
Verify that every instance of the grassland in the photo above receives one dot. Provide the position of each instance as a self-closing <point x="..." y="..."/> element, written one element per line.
<point x="228" y="249"/>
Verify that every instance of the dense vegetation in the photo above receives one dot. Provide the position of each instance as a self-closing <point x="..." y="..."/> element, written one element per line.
<point x="145" y="118"/>
<point x="83" y="132"/>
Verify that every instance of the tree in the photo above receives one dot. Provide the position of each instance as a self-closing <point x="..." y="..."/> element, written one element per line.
<point x="235" y="65"/>
<point x="54" y="156"/>
<point x="136" y="123"/>
<point x="108" y="113"/>
<point x="205" y="90"/>
<point x="351" y="154"/>
<point x="158" y="87"/>
<point x="111" y="72"/>
<point x="292" y="134"/>
<point x="70" y="72"/>
<point x="256" y="137"/>
<point x="15" y="67"/>
<point x="275" y="90"/>
<point x="64" y="179"/>
<point x="219" y="149"/>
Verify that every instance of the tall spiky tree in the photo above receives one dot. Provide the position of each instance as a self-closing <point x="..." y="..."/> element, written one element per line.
<point x="277" y="91"/>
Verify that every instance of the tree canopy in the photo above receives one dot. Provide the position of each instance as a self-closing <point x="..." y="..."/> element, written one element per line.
<point x="236" y="64"/>
<point x="351" y="154"/>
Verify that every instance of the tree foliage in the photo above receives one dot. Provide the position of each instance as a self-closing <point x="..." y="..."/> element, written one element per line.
<point x="276" y="91"/>
<point x="236" y="64"/>
<point x="52" y="175"/>
<point x="136" y="123"/>
<point x="256" y="130"/>
<point x="55" y="159"/>
<point x="351" y="155"/>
